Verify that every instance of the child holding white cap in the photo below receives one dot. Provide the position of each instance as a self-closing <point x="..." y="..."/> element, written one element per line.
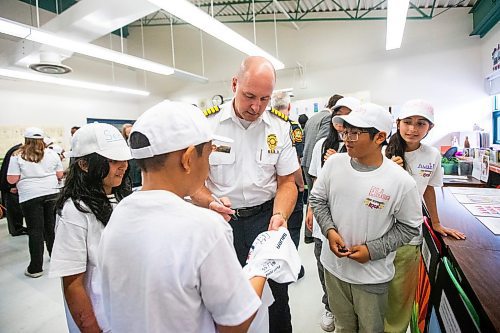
<point x="356" y="200"/>
<point x="94" y="184"/>
<point x="36" y="172"/>
<point x="167" y="265"/>
<point x="423" y="163"/>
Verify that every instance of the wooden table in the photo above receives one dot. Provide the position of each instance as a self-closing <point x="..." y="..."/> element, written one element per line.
<point x="469" y="182"/>
<point x="478" y="257"/>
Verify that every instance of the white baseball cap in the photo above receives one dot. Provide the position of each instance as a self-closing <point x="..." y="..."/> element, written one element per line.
<point x="48" y="141"/>
<point x="349" y="102"/>
<point x="417" y="107"/>
<point x="274" y="255"/>
<point x="368" y="115"/>
<point x="102" y="139"/>
<point x="171" y="126"/>
<point x="33" y="133"/>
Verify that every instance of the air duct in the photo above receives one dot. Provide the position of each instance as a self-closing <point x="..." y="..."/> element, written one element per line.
<point x="50" y="63"/>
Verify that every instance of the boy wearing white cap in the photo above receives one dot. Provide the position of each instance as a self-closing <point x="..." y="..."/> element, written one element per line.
<point x="167" y="265"/>
<point x="356" y="201"/>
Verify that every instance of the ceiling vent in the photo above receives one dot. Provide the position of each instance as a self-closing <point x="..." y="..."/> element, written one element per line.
<point x="50" y="63"/>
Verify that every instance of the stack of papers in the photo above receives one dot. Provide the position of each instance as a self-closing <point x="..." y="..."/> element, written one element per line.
<point x="483" y="203"/>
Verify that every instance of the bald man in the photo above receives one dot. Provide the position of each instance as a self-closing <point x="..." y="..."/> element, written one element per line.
<point x="253" y="176"/>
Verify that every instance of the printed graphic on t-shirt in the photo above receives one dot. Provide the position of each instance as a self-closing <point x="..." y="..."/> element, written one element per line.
<point x="376" y="198"/>
<point x="425" y="170"/>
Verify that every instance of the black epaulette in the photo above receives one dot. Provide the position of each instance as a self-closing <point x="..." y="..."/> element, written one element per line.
<point x="212" y="110"/>
<point x="279" y="114"/>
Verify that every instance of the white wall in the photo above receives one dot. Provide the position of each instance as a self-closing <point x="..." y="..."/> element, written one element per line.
<point x="31" y="104"/>
<point x="438" y="61"/>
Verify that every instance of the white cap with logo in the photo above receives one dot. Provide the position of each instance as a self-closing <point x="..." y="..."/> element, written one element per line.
<point x="366" y="116"/>
<point x="34" y="133"/>
<point x="417" y="107"/>
<point x="348" y="102"/>
<point x="102" y="139"/>
<point x="171" y="126"/>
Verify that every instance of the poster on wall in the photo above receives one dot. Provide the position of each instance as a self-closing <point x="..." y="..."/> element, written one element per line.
<point x="13" y="135"/>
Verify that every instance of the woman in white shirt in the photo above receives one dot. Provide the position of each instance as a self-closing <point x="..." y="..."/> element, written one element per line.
<point x="36" y="172"/>
<point x="94" y="184"/>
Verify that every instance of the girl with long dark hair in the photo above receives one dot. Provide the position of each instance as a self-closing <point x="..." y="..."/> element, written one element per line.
<point x="95" y="183"/>
<point x="36" y="171"/>
<point x="423" y="163"/>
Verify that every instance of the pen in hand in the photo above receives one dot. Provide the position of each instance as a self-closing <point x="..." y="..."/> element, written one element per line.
<point x="233" y="216"/>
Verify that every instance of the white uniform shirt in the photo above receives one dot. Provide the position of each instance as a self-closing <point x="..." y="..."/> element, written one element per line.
<point x="37" y="179"/>
<point x="424" y="165"/>
<point x="363" y="207"/>
<point x="169" y="266"/>
<point x="247" y="175"/>
<point x="314" y="170"/>
<point x="75" y="251"/>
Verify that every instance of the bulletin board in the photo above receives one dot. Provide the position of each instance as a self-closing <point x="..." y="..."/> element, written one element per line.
<point x="13" y="135"/>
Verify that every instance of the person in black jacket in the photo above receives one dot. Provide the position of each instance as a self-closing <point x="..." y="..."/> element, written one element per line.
<point x="10" y="198"/>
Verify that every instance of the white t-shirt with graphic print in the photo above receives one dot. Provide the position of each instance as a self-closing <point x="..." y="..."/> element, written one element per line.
<point x="363" y="206"/>
<point x="424" y="165"/>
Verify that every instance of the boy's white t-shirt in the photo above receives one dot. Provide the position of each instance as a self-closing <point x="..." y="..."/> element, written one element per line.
<point x="37" y="179"/>
<point x="363" y="207"/>
<point x="314" y="170"/>
<point x="75" y="251"/>
<point x="169" y="266"/>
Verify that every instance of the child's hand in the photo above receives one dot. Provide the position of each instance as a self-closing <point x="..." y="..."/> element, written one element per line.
<point x="360" y="253"/>
<point x="398" y="160"/>
<point x="329" y="153"/>
<point x="448" y="231"/>
<point x="337" y="244"/>
<point x="309" y="219"/>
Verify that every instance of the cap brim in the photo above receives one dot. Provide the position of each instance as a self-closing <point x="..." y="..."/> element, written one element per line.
<point x="222" y="138"/>
<point x="404" y="115"/>
<point x="352" y="119"/>
<point x="117" y="154"/>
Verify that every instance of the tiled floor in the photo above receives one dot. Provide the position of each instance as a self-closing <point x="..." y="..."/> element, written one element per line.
<point x="35" y="305"/>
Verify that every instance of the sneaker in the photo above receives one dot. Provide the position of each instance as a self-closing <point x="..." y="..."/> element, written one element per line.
<point x="327" y="323"/>
<point x="33" y="275"/>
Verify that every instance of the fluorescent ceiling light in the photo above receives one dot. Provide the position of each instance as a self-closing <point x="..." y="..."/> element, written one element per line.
<point x="37" y="35"/>
<point x="69" y="83"/>
<point x="396" y="19"/>
<point x="191" y="14"/>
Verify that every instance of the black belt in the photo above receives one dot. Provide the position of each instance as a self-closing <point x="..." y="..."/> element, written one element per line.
<point x="251" y="211"/>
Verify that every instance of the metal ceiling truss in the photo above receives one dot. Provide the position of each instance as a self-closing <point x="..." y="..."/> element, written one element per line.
<point x="241" y="11"/>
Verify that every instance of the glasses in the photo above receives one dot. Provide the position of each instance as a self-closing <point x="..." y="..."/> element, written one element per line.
<point x="351" y="136"/>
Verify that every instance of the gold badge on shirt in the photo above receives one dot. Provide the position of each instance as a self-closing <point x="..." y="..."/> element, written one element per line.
<point x="272" y="142"/>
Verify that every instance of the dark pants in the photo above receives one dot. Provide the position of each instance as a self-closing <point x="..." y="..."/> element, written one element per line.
<point x="14" y="213"/>
<point x="40" y="220"/>
<point x="321" y="271"/>
<point x="245" y="230"/>
<point x="296" y="219"/>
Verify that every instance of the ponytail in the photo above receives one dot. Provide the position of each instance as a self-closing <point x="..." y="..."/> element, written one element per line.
<point x="396" y="147"/>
